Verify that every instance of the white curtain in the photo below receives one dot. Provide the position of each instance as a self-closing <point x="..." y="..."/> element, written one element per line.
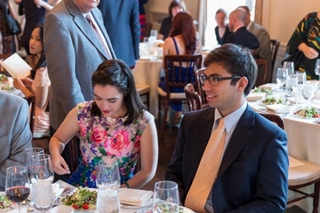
<point x="258" y="12"/>
<point x="202" y="20"/>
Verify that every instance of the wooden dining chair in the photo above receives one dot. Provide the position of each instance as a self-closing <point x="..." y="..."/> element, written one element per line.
<point x="176" y="78"/>
<point x="31" y="99"/>
<point x="199" y="87"/>
<point x="144" y="91"/>
<point x="193" y="98"/>
<point x="262" y="65"/>
<point x="305" y="174"/>
<point x="274" y="47"/>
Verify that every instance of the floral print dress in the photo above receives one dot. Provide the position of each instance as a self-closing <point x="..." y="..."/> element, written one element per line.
<point x="107" y="139"/>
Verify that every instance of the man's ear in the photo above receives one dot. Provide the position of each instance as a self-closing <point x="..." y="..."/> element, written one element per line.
<point x="242" y="83"/>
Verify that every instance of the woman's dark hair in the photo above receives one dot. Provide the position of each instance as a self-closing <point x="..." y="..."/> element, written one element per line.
<point x="172" y="5"/>
<point x="183" y="25"/>
<point x="42" y="60"/>
<point x="117" y="73"/>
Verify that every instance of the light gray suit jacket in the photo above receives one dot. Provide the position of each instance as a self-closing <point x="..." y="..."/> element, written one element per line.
<point x="15" y="134"/>
<point x="73" y="53"/>
<point x="264" y="44"/>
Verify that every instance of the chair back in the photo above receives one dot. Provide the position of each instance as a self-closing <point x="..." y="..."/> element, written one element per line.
<point x="199" y="86"/>
<point x="194" y="99"/>
<point x="262" y="65"/>
<point x="32" y="108"/>
<point x="273" y="118"/>
<point x="274" y="46"/>
<point x="180" y="70"/>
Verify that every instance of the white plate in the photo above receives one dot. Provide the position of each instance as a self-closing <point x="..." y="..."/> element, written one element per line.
<point x="182" y="209"/>
<point x="62" y="209"/>
<point x="149" y="203"/>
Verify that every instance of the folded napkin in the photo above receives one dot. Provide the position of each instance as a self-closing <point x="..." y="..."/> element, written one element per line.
<point x="278" y="108"/>
<point x="254" y="96"/>
<point x="269" y="86"/>
<point x="135" y="197"/>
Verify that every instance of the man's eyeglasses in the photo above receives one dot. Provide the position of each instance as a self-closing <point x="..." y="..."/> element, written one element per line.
<point x="214" y="80"/>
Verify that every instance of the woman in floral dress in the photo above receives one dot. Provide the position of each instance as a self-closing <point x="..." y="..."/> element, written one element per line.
<point x="113" y="127"/>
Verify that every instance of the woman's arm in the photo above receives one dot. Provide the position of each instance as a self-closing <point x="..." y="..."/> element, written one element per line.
<point x="48" y="6"/>
<point x="67" y="130"/>
<point x="148" y="157"/>
<point x="12" y="11"/>
<point x="18" y="84"/>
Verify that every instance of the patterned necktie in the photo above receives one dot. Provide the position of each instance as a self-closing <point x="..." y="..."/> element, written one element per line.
<point x="207" y="170"/>
<point x="99" y="36"/>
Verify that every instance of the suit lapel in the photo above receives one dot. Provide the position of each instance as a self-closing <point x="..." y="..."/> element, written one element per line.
<point x="238" y="140"/>
<point x="85" y="28"/>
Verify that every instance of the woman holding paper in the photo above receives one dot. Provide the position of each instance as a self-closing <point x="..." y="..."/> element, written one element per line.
<point x="38" y="84"/>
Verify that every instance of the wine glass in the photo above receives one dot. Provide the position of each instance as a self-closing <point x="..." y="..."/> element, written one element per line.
<point x="308" y="91"/>
<point x="166" y="197"/>
<point x="108" y="176"/>
<point x="289" y="65"/>
<point x="17" y="184"/>
<point x="29" y="153"/>
<point x="317" y="68"/>
<point x="301" y="80"/>
<point x="153" y="35"/>
<point x="282" y="76"/>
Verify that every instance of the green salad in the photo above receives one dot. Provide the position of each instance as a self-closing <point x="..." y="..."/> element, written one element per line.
<point x="268" y="91"/>
<point x="5" y="202"/>
<point x="82" y="198"/>
<point x="272" y="100"/>
<point x="307" y="112"/>
<point x="3" y="79"/>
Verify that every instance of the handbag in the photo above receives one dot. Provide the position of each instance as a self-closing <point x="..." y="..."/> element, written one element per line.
<point x="13" y="25"/>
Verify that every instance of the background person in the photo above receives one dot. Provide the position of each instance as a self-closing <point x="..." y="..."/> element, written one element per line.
<point x="39" y="84"/>
<point x="166" y="24"/>
<point x="113" y="127"/>
<point x="251" y="147"/>
<point x="222" y="30"/>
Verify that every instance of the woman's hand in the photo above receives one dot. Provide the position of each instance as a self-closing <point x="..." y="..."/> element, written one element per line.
<point x="59" y="165"/>
<point x="27" y="82"/>
<point x="308" y="52"/>
<point x="18" y="84"/>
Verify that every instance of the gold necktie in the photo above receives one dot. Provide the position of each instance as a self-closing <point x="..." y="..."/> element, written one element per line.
<point x="96" y="32"/>
<point x="207" y="170"/>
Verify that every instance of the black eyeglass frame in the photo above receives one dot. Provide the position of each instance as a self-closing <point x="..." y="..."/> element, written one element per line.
<point x="217" y="79"/>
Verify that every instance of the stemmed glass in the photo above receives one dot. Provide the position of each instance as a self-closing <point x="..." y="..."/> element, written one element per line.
<point x="108" y="183"/>
<point x="153" y="35"/>
<point x="17" y="184"/>
<point x="301" y="80"/>
<point x="282" y="76"/>
<point x="317" y="68"/>
<point x="41" y="174"/>
<point x="166" y="197"/>
<point x="28" y="154"/>
<point x="308" y="91"/>
<point x="289" y="65"/>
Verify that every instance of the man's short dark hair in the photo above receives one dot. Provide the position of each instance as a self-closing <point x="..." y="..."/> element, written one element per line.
<point x="237" y="61"/>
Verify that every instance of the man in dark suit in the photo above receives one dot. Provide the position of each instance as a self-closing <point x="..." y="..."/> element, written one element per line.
<point x="241" y="36"/>
<point x="121" y="19"/>
<point x="253" y="145"/>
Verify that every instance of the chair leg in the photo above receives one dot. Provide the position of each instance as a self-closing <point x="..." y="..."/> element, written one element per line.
<point x="164" y="119"/>
<point x="316" y="197"/>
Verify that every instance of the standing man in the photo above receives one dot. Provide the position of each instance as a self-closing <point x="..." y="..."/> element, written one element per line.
<point x="75" y="43"/>
<point x="241" y="36"/>
<point x="263" y="38"/>
<point x="121" y="19"/>
<point x="224" y="154"/>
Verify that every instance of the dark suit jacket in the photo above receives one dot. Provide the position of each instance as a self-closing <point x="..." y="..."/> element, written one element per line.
<point x="121" y="19"/>
<point x="222" y="40"/>
<point x="253" y="174"/>
<point x="243" y="38"/>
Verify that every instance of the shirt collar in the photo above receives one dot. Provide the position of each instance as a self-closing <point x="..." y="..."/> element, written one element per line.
<point x="232" y="119"/>
<point x="249" y="25"/>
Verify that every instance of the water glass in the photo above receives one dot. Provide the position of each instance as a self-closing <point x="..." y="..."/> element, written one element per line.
<point x="17" y="184"/>
<point x="29" y="153"/>
<point x="166" y="197"/>
<point x="154" y="34"/>
<point x="42" y="195"/>
<point x="108" y="201"/>
<point x="308" y="91"/>
<point x="289" y="65"/>
<point x="108" y="176"/>
<point x="41" y="168"/>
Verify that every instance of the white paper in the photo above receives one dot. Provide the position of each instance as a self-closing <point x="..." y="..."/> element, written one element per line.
<point x="16" y="66"/>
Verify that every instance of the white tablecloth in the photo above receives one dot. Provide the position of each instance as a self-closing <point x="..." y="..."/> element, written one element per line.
<point x="148" y="72"/>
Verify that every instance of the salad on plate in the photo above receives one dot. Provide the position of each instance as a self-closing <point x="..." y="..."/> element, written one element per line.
<point x="82" y="198"/>
<point x="307" y="112"/>
<point x="272" y="101"/>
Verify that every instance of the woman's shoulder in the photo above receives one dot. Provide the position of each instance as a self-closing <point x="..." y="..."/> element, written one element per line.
<point x="84" y="107"/>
